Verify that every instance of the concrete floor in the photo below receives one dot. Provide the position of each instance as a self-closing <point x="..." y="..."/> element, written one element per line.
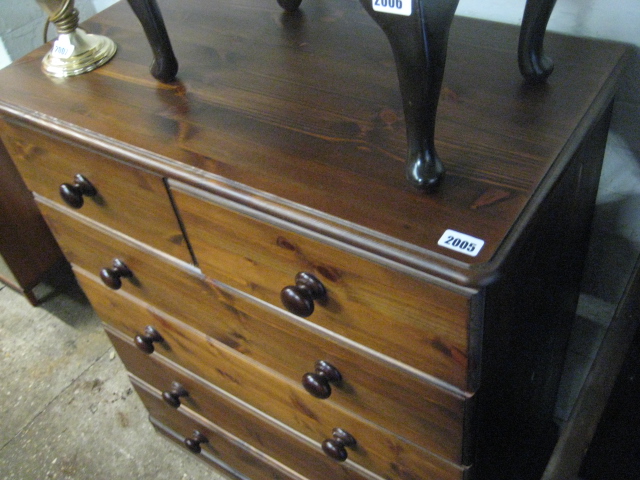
<point x="67" y="408"/>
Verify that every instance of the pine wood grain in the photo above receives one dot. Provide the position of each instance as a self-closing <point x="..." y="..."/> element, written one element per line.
<point x="129" y="199"/>
<point x="283" y="142"/>
<point x="307" y="108"/>
<point x="378" y="450"/>
<point x="414" y="321"/>
<point x="304" y="456"/>
<point x="427" y="413"/>
<point x="237" y="456"/>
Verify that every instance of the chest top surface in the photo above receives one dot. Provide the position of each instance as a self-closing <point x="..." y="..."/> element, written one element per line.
<point x="300" y="116"/>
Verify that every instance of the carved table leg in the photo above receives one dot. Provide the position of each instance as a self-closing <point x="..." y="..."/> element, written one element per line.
<point x="165" y="65"/>
<point x="290" y="5"/>
<point x="418" y="38"/>
<point x="534" y="65"/>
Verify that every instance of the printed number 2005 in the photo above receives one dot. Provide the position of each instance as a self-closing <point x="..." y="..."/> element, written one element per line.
<point x="461" y="242"/>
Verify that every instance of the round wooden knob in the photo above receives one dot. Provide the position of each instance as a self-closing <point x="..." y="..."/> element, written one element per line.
<point x="73" y="193"/>
<point x="193" y="442"/>
<point x="335" y="447"/>
<point x="317" y="383"/>
<point x="111" y="277"/>
<point x="298" y="298"/>
<point x="145" y="341"/>
<point x="172" y="396"/>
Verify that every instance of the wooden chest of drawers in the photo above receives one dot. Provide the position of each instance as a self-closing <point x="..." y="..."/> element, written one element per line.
<point x="283" y="301"/>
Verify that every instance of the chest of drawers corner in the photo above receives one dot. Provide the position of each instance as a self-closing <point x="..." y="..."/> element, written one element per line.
<point x="277" y="293"/>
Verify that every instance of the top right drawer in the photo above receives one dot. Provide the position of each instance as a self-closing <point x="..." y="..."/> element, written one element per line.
<point x="423" y="325"/>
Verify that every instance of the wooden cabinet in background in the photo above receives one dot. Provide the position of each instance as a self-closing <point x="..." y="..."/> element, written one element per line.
<point x="28" y="251"/>
<point x="286" y="304"/>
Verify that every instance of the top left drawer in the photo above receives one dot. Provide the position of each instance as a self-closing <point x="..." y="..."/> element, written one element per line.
<point x="128" y="199"/>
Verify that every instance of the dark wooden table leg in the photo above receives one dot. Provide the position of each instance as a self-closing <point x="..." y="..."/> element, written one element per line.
<point x="165" y="65"/>
<point x="418" y="37"/>
<point x="535" y="66"/>
<point x="290" y="5"/>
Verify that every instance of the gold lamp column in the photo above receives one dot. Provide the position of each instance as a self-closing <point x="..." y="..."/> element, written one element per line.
<point x="74" y="51"/>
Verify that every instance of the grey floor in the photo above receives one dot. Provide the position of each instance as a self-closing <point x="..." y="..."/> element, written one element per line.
<point x="67" y="409"/>
<point x="68" y="412"/>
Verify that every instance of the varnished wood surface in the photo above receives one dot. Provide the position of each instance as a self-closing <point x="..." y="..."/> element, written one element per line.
<point x="421" y="324"/>
<point x="27" y="247"/>
<point x="283" y="399"/>
<point x="433" y="421"/>
<point x="306" y="107"/>
<point x="306" y="458"/>
<point x="429" y="414"/>
<point x="237" y="455"/>
<point x="129" y="199"/>
<point x="378" y="450"/>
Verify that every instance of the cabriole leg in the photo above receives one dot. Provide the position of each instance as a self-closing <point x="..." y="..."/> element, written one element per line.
<point x="165" y="65"/>
<point x="418" y="31"/>
<point x="534" y="65"/>
<point x="290" y="5"/>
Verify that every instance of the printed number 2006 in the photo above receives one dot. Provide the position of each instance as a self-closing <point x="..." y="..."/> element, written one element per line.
<point x="389" y="3"/>
<point x="460" y="244"/>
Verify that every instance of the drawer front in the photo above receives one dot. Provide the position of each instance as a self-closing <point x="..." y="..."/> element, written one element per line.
<point x="221" y="449"/>
<point x="418" y="323"/>
<point x="295" y="451"/>
<point x="240" y="420"/>
<point x="388" y="395"/>
<point x="131" y="200"/>
<point x="271" y="393"/>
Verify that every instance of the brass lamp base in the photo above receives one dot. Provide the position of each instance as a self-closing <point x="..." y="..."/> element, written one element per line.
<point x="76" y="53"/>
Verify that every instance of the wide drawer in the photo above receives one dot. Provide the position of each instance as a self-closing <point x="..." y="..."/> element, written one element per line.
<point x="379" y="449"/>
<point x="419" y="323"/>
<point x="129" y="199"/>
<point x="238" y="419"/>
<point x="223" y="450"/>
<point x="402" y="462"/>
<point x="381" y="391"/>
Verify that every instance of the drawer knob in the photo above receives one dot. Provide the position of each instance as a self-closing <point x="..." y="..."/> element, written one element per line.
<point x="317" y="383"/>
<point x="335" y="447"/>
<point x="193" y="442"/>
<point x="172" y="396"/>
<point x="111" y="277"/>
<point x="298" y="298"/>
<point x="73" y="193"/>
<point x="145" y="341"/>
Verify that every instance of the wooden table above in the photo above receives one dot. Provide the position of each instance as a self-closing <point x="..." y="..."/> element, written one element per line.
<point x="313" y="97"/>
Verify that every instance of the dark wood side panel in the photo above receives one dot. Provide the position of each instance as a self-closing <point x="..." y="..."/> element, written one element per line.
<point x="26" y="244"/>
<point x="530" y="312"/>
